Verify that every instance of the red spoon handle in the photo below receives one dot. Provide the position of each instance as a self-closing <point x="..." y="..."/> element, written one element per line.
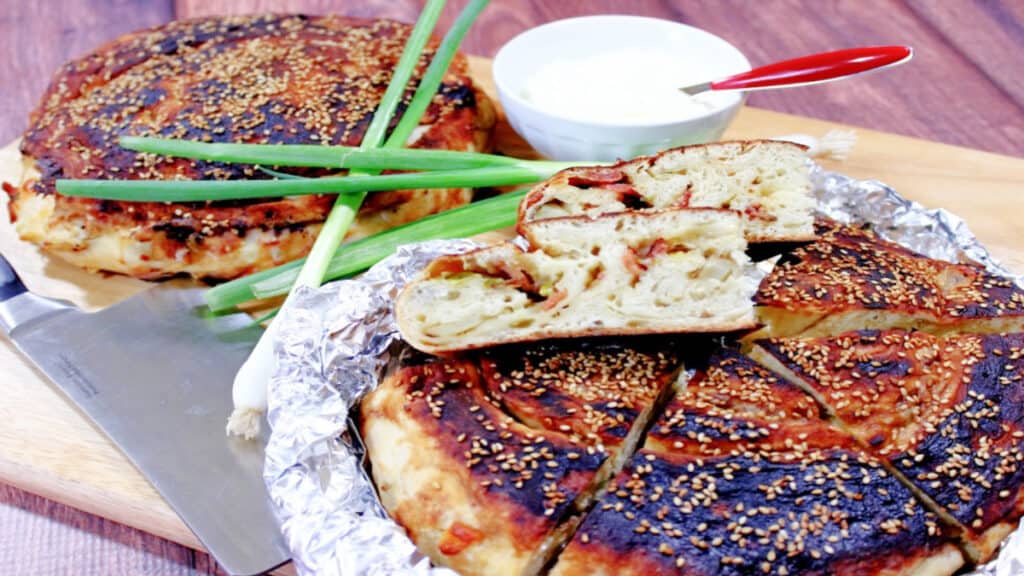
<point x="816" y="68"/>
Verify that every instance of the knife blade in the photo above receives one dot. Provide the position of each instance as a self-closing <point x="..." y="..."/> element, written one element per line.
<point x="154" y="374"/>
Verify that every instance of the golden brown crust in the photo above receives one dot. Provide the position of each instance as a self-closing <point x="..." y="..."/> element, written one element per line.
<point x="852" y="277"/>
<point x="885" y="386"/>
<point x="270" y="78"/>
<point x="946" y="412"/>
<point x="741" y="477"/>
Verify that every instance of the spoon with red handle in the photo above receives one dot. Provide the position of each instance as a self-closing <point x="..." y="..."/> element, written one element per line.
<point x="812" y="69"/>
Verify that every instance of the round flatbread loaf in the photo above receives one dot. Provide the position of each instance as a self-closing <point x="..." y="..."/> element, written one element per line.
<point x="255" y="79"/>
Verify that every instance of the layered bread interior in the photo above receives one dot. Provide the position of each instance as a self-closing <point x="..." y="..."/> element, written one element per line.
<point x="629" y="273"/>
<point x="765" y="181"/>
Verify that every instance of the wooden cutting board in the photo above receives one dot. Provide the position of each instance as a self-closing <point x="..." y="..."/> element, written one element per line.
<point x="49" y="448"/>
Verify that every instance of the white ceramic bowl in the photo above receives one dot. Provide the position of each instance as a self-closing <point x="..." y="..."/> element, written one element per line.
<point x="562" y="137"/>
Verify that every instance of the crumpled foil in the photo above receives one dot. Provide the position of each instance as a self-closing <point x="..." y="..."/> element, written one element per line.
<point x="334" y="343"/>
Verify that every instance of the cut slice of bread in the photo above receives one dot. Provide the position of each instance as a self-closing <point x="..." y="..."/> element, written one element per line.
<point x="766" y="181"/>
<point x="475" y="490"/>
<point x="740" y="476"/>
<point x="945" y="412"/>
<point x="628" y="273"/>
<point x="598" y="393"/>
<point x="851" y="279"/>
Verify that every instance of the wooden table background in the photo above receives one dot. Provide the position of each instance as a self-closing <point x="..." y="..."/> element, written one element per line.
<point x="963" y="87"/>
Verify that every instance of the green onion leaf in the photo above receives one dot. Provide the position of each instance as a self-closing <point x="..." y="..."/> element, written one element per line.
<point x="316" y="156"/>
<point x="434" y="75"/>
<point x="345" y="208"/>
<point x="356" y="184"/>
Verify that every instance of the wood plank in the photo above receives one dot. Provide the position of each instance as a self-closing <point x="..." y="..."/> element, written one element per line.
<point x="45" y="537"/>
<point x="992" y="26"/>
<point x="959" y="88"/>
<point x="37" y="37"/>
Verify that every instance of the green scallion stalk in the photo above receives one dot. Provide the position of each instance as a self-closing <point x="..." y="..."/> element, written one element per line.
<point x="355" y="257"/>
<point x="421" y="98"/>
<point x="316" y="156"/>
<point x="249" y="391"/>
<point x="214" y="190"/>
<point x="435" y="72"/>
<point x="267" y="317"/>
<point x="344" y="211"/>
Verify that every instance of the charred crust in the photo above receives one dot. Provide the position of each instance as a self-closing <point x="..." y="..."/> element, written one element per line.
<point x="948" y="413"/>
<point x="850" y="268"/>
<point x="973" y="464"/>
<point x="255" y="79"/>
<point x="592" y="390"/>
<point x="757" y="515"/>
<point x="541" y="473"/>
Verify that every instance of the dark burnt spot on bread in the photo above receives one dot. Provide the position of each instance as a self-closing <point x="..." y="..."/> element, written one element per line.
<point x="753" y="514"/>
<point x="850" y="268"/>
<point x="591" y="390"/>
<point x="540" y="472"/>
<point x="973" y="461"/>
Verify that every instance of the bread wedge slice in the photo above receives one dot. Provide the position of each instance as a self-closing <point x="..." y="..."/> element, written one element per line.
<point x="765" y="181"/>
<point x="602" y="394"/>
<point x="945" y="412"/>
<point x="851" y="279"/>
<point x="475" y="490"/>
<point x="741" y="476"/>
<point x="630" y="273"/>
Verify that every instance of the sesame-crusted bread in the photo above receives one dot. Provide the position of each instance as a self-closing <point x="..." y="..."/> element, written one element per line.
<point x="764" y="180"/>
<point x="850" y="279"/>
<point x="628" y="273"/>
<point x="475" y="490"/>
<point x="741" y="476"/>
<point x="945" y="412"/>
<point x="279" y="79"/>
<point x="600" y="393"/>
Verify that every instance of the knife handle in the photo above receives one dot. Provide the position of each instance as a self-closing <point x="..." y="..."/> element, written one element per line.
<point x="10" y="284"/>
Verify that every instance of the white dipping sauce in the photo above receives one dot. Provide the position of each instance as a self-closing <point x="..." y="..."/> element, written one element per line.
<point x="624" y="85"/>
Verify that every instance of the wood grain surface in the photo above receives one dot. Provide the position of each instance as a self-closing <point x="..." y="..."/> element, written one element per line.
<point x="962" y="88"/>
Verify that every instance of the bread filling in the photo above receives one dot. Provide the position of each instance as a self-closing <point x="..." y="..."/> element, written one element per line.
<point x="673" y="271"/>
<point x="765" y="182"/>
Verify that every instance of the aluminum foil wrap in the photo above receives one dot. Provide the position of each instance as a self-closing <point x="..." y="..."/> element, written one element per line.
<point x="334" y="343"/>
